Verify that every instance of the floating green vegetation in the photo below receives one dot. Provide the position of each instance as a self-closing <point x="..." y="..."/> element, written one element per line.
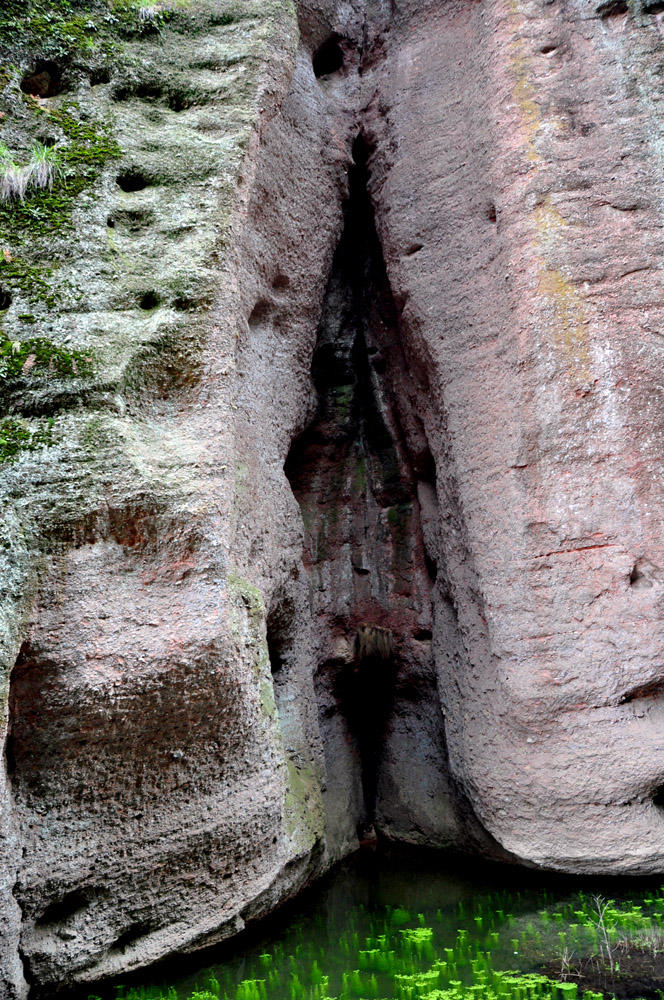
<point x="493" y="946"/>
<point x="17" y="436"/>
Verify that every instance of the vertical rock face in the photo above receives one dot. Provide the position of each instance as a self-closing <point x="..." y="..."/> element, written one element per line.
<point x="535" y="204"/>
<point x="347" y="514"/>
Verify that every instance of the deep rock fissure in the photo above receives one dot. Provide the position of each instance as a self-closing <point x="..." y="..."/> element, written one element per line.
<point x="356" y="485"/>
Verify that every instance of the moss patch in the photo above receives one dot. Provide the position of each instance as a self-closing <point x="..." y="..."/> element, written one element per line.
<point x="68" y="28"/>
<point x="87" y="147"/>
<point x="17" y="436"/>
<point x="22" y="358"/>
<point x="248" y="616"/>
<point x="18" y="274"/>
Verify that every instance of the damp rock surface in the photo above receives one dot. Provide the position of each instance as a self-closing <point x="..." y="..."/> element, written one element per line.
<point x="330" y="455"/>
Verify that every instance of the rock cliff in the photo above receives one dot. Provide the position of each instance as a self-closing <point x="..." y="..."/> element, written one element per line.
<point x="330" y="453"/>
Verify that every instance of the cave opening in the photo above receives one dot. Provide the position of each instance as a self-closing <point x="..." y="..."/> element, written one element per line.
<point x="44" y="80"/>
<point x="356" y="479"/>
<point x="365" y="689"/>
<point x="328" y="58"/>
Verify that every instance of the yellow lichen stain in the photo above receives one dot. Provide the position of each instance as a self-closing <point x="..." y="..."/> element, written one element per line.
<point x="550" y="227"/>
<point x="571" y="321"/>
<point x="548" y="220"/>
<point x="524" y="95"/>
<point x="563" y="301"/>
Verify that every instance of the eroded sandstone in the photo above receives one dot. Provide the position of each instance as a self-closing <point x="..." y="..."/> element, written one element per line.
<point x="354" y="524"/>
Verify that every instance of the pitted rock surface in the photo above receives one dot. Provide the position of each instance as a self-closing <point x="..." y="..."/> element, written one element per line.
<point x="355" y="527"/>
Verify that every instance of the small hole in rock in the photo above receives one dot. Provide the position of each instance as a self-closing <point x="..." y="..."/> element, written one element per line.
<point x="658" y="797"/>
<point x="414" y="248"/>
<point x="149" y="91"/>
<point x="280" y="282"/>
<point x="5" y="299"/>
<point x="132" y="180"/>
<point x="613" y="8"/>
<point x="110" y="222"/>
<point x="361" y="570"/>
<point x="131" y="935"/>
<point x="44" y="80"/>
<point x="260" y="313"/>
<point x="546" y="49"/>
<point x="651" y="689"/>
<point x="122" y="93"/>
<point x="99" y="76"/>
<point x="423" y="634"/>
<point x="491" y="213"/>
<point x="180" y="101"/>
<point x="62" y="909"/>
<point x="183" y="303"/>
<point x="150" y="300"/>
<point x="328" y="58"/>
<point x="637" y="577"/>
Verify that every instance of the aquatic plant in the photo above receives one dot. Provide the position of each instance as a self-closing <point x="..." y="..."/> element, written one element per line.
<point x="498" y="946"/>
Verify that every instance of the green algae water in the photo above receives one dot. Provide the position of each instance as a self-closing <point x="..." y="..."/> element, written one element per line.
<point x="395" y="926"/>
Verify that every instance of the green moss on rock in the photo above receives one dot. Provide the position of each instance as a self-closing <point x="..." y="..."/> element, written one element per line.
<point x="23" y="358"/>
<point x="17" y="436"/>
<point x="87" y="147"/>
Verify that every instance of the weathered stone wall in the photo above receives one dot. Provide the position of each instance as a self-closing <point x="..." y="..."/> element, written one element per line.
<point x="474" y="496"/>
<point x="525" y="162"/>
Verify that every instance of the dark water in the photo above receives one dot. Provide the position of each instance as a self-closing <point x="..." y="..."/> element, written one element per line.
<point x="382" y="922"/>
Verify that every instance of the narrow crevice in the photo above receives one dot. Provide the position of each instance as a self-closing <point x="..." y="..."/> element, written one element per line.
<point x="132" y="935"/>
<point x="277" y="644"/>
<point x="21" y="663"/>
<point x="355" y="474"/>
<point x="365" y="690"/>
<point x="643" y="575"/>
<point x="612" y="8"/>
<point x="651" y="689"/>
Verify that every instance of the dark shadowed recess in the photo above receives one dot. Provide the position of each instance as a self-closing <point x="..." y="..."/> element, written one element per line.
<point x="356" y="483"/>
<point x="44" y="79"/>
<point x="328" y="58"/>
